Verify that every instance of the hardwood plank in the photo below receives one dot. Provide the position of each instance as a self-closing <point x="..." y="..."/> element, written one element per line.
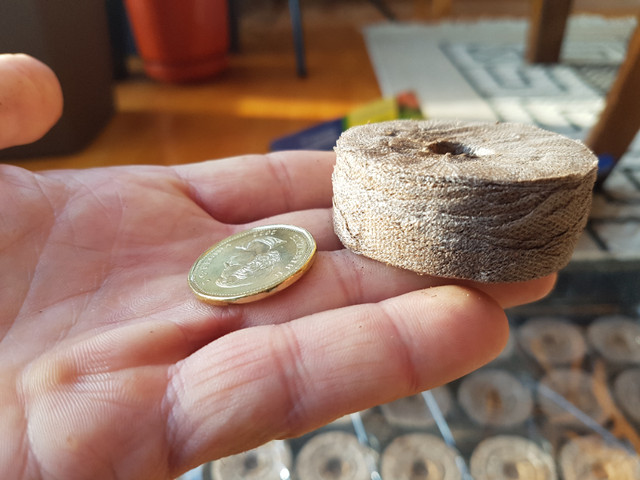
<point x="620" y="120"/>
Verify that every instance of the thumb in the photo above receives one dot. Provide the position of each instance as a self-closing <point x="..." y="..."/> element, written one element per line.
<point x="30" y="99"/>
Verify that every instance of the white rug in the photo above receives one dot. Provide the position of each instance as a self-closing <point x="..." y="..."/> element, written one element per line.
<point x="476" y="71"/>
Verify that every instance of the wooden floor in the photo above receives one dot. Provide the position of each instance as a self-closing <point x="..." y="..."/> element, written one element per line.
<point x="259" y="97"/>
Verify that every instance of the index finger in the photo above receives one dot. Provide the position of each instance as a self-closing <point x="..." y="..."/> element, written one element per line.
<point x="252" y="187"/>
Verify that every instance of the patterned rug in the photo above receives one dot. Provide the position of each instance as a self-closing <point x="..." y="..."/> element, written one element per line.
<point x="476" y="71"/>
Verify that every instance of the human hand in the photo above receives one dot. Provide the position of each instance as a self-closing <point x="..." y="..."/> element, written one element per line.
<point x="111" y="368"/>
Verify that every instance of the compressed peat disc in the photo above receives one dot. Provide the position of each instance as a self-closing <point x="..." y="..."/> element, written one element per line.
<point x="491" y="202"/>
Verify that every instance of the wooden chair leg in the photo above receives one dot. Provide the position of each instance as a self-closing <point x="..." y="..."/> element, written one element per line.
<point x="546" y="30"/>
<point x="620" y="120"/>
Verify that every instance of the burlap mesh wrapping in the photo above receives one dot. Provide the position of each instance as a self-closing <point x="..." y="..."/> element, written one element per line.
<point x="487" y="202"/>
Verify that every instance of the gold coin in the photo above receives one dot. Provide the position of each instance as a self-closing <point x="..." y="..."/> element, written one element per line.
<point x="251" y="265"/>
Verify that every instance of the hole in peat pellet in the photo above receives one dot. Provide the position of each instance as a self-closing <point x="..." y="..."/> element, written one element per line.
<point x="453" y="148"/>
<point x="333" y="468"/>
<point x="598" y="470"/>
<point x="419" y="470"/>
<point x="510" y="470"/>
<point x="250" y="463"/>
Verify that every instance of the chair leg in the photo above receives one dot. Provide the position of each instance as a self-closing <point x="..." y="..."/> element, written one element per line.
<point x="234" y="28"/>
<point x="620" y="120"/>
<point x="546" y="30"/>
<point x="298" y="39"/>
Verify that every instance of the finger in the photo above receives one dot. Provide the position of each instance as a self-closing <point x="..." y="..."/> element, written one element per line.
<point x="518" y="293"/>
<point x="280" y="381"/>
<point x="318" y="222"/>
<point x="30" y="99"/>
<point x="249" y="188"/>
<point x="339" y="279"/>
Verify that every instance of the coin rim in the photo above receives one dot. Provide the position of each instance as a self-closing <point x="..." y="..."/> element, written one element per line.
<point x="268" y="289"/>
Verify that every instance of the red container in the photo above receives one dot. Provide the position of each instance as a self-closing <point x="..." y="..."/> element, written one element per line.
<point x="180" y="40"/>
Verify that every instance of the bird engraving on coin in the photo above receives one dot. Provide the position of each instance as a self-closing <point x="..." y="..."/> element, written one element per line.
<point x="252" y="265"/>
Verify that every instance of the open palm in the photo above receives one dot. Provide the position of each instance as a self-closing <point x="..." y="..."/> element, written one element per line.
<point x="111" y="368"/>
